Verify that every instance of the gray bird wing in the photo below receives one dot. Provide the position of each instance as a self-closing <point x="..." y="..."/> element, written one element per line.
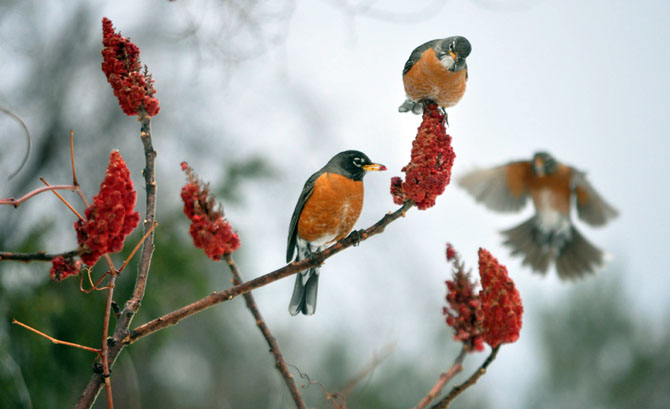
<point x="591" y="207"/>
<point x="417" y="53"/>
<point x="293" y="228"/>
<point x="503" y="188"/>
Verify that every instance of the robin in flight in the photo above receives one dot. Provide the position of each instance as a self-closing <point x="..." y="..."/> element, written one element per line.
<point x="436" y="71"/>
<point x="550" y="234"/>
<point x="327" y="210"/>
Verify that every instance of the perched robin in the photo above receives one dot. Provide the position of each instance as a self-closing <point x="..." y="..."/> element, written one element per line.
<point x="327" y="210"/>
<point x="436" y="71"/>
<point x="549" y="235"/>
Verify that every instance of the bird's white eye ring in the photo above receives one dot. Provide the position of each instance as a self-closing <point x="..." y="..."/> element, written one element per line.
<point x="357" y="161"/>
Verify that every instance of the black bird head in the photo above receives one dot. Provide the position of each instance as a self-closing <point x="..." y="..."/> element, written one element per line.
<point x="460" y="46"/>
<point x="543" y="164"/>
<point x="457" y="48"/>
<point x="352" y="164"/>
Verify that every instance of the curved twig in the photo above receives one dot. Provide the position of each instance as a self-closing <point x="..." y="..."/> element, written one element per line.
<point x="17" y="202"/>
<point x="27" y="133"/>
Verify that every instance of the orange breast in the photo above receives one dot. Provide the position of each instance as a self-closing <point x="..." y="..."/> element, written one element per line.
<point x="558" y="183"/>
<point x="429" y="79"/>
<point x="332" y="210"/>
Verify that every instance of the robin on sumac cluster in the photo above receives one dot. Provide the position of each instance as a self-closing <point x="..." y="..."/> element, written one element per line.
<point x="549" y="235"/>
<point x="327" y="210"/>
<point x="436" y="71"/>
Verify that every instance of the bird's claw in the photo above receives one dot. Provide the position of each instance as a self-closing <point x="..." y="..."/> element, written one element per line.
<point x="356" y="237"/>
<point x="313" y="258"/>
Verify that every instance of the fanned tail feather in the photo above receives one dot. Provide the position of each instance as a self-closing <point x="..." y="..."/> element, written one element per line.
<point x="573" y="254"/>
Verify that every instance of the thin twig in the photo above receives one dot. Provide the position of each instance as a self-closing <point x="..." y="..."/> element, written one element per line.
<point x="371" y="366"/>
<point x="74" y="173"/>
<point x="137" y="246"/>
<point x="445" y="377"/>
<point x="104" y="350"/>
<point x="105" y="331"/>
<point x="125" y="317"/>
<point x="17" y="202"/>
<point x="54" y="340"/>
<point x="456" y="390"/>
<point x="27" y="133"/>
<point x="62" y="199"/>
<point x="280" y="363"/>
<point x="39" y="256"/>
<point x="174" y="317"/>
<point x="336" y="398"/>
<point x="94" y="287"/>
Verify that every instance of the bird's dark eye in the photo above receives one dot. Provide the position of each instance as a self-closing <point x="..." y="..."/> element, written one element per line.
<point x="357" y="162"/>
<point x="452" y="46"/>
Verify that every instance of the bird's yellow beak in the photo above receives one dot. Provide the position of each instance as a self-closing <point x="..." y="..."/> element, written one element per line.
<point x="374" y="166"/>
<point x="453" y="55"/>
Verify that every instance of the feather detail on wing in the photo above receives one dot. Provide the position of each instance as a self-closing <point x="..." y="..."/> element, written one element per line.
<point x="293" y="228"/>
<point x="417" y="53"/>
<point x="503" y="188"/>
<point x="591" y="207"/>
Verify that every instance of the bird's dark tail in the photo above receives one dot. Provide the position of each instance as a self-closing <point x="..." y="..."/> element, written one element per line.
<point x="578" y="257"/>
<point x="574" y="255"/>
<point x="304" y="293"/>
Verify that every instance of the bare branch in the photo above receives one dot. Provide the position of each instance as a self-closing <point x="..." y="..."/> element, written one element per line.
<point x="445" y="377"/>
<point x="137" y="247"/>
<point x="54" y="340"/>
<point x="74" y="172"/>
<point x="371" y="366"/>
<point x="280" y="363"/>
<point x="26" y="132"/>
<point x="105" y="330"/>
<point x="39" y="256"/>
<point x="17" y="202"/>
<point x="337" y="399"/>
<point x="62" y="199"/>
<point x="456" y="390"/>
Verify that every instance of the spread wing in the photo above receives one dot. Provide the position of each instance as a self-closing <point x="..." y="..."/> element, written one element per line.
<point x="293" y="228"/>
<point x="503" y="188"/>
<point x="417" y="53"/>
<point x="591" y="207"/>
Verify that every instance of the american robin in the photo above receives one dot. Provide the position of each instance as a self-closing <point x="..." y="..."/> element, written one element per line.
<point x="550" y="234"/>
<point x="327" y="210"/>
<point x="436" y="71"/>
